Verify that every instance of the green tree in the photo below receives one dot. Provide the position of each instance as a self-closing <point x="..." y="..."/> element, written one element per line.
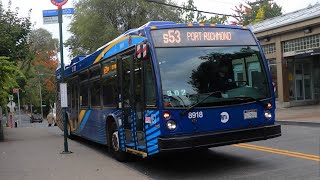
<point x="215" y="20"/>
<point x="9" y="77"/>
<point x="14" y="32"/>
<point x="42" y="71"/>
<point x="97" y="22"/>
<point x="194" y="16"/>
<point x="252" y="12"/>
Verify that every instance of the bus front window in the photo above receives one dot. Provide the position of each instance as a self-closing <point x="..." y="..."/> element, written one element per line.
<point x="189" y="74"/>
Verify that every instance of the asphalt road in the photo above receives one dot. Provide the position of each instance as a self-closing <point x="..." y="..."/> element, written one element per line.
<point x="25" y="121"/>
<point x="294" y="156"/>
<point x="259" y="160"/>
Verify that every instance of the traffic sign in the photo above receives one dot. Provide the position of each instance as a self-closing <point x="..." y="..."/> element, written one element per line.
<point x="54" y="12"/>
<point x="59" y="2"/>
<point x="15" y="90"/>
<point x="11" y="105"/>
<point x="50" y="20"/>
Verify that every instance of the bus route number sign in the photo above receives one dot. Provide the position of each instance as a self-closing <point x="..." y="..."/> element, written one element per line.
<point x="174" y="36"/>
<point x="59" y="2"/>
<point x="179" y="37"/>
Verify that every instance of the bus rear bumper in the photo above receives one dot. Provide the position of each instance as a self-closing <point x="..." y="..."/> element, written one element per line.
<point x="218" y="139"/>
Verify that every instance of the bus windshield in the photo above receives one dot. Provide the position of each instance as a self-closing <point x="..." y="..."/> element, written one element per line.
<point x="189" y="74"/>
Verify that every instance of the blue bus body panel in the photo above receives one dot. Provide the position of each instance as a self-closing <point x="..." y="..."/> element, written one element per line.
<point x="212" y="120"/>
<point x="152" y="130"/>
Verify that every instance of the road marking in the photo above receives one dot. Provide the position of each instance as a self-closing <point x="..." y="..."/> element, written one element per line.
<point x="279" y="151"/>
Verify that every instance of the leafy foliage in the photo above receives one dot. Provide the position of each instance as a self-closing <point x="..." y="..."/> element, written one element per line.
<point x="42" y="72"/>
<point x="14" y="32"/>
<point x="191" y="16"/>
<point x="9" y="77"/>
<point x="259" y="10"/>
<point x="97" y="22"/>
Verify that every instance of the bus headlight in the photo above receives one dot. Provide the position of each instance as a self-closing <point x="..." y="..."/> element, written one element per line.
<point x="171" y="125"/>
<point x="267" y="114"/>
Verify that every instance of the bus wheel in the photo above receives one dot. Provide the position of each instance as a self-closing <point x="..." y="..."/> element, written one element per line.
<point x="115" y="144"/>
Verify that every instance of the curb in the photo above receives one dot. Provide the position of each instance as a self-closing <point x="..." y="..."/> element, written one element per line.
<point x="299" y="123"/>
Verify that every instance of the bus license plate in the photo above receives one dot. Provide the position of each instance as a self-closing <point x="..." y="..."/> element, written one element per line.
<point x="250" y="114"/>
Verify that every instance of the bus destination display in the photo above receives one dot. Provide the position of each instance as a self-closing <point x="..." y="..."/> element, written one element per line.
<point x="201" y="37"/>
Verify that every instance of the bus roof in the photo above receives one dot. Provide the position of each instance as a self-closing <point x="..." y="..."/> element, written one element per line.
<point x="124" y="41"/>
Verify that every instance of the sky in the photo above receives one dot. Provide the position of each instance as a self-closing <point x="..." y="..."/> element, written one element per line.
<point x="218" y="6"/>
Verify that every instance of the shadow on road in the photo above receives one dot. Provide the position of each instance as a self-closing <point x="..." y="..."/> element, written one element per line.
<point x="203" y="164"/>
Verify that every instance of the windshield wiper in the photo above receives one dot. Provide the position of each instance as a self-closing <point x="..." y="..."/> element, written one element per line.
<point x="251" y="98"/>
<point x="196" y="104"/>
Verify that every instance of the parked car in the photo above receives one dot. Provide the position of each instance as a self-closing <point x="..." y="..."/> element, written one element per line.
<point x="36" y="117"/>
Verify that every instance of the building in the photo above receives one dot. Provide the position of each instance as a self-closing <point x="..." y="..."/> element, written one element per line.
<point x="291" y="43"/>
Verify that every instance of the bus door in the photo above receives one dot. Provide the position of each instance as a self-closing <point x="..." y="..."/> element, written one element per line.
<point x="73" y="103"/>
<point x="131" y="102"/>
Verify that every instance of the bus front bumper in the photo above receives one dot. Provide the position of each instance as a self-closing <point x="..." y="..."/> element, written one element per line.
<point x="218" y="139"/>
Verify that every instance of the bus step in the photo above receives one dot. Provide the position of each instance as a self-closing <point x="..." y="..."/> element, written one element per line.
<point x="130" y="144"/>
<point x="142" y="147"/>
<point x="140" y="153"/>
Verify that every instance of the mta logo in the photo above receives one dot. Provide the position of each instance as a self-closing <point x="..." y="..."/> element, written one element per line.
<point x="224" y="117"/>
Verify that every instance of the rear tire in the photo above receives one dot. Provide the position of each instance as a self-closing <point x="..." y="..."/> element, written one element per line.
<point x="114" y="144"/>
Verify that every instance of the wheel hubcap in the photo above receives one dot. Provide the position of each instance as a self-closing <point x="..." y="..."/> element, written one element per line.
<point x="115" y="141"/>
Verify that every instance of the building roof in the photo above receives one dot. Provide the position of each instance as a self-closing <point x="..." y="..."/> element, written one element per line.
<point x="307" y="13"/>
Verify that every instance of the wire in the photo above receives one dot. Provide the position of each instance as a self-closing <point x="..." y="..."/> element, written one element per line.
<point x="175" y="6"/>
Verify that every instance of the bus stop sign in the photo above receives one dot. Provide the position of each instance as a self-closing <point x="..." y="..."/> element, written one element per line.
<point x="59" y="2"/>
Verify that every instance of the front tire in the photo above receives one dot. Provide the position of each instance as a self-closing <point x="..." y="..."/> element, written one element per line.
<point x="114" y="144"/>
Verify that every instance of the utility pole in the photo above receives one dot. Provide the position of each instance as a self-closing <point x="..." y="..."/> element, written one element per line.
<point x="17" y="91"/>
<point x="19" y="108"/>
<point x="40" y="96"/>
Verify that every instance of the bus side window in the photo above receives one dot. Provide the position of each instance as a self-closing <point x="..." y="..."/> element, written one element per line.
<point x="110" y="90"/>
<point x="95" y="93"/>
<point x="69" y="92"/>
<point x="84" y="95"/>
<point x="150" y="90"/>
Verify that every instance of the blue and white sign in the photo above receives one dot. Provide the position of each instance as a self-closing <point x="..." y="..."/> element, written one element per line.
<point x="54" y="12"/>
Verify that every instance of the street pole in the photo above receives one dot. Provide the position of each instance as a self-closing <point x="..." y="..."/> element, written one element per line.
<point x="19" y="108"/>
<point x="66" y="150"/>
<point x="40" y="97"/>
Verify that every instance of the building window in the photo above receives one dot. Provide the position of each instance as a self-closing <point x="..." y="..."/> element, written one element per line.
<point x="269" y="48"/>
<point x="273" y="72"/>
<point x="303" y="43"/>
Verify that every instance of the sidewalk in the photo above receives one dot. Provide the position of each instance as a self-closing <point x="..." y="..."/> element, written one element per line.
<point x="34" y="154"/>
<point x="302" y="114"/>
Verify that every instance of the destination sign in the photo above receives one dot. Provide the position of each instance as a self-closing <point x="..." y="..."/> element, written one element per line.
<point x="109" y="68"/>
<point x="201" y="37"/>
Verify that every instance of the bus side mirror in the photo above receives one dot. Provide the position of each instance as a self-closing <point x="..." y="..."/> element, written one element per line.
<point x="142" y="51"/>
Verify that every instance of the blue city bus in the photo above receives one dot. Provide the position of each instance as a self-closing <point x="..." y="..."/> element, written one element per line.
<point x="167" y="87"/>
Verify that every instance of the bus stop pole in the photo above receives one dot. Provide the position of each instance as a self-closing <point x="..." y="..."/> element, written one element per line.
<point x="66" y="150"/>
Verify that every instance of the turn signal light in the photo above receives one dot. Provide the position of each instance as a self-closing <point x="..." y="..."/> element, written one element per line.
<point x="166" y="115"/>
<point x="269" y="105"/>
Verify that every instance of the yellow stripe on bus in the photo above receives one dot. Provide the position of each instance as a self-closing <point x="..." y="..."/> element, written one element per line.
<point x="108" y="48"/>
<point x="81" y="115"/>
